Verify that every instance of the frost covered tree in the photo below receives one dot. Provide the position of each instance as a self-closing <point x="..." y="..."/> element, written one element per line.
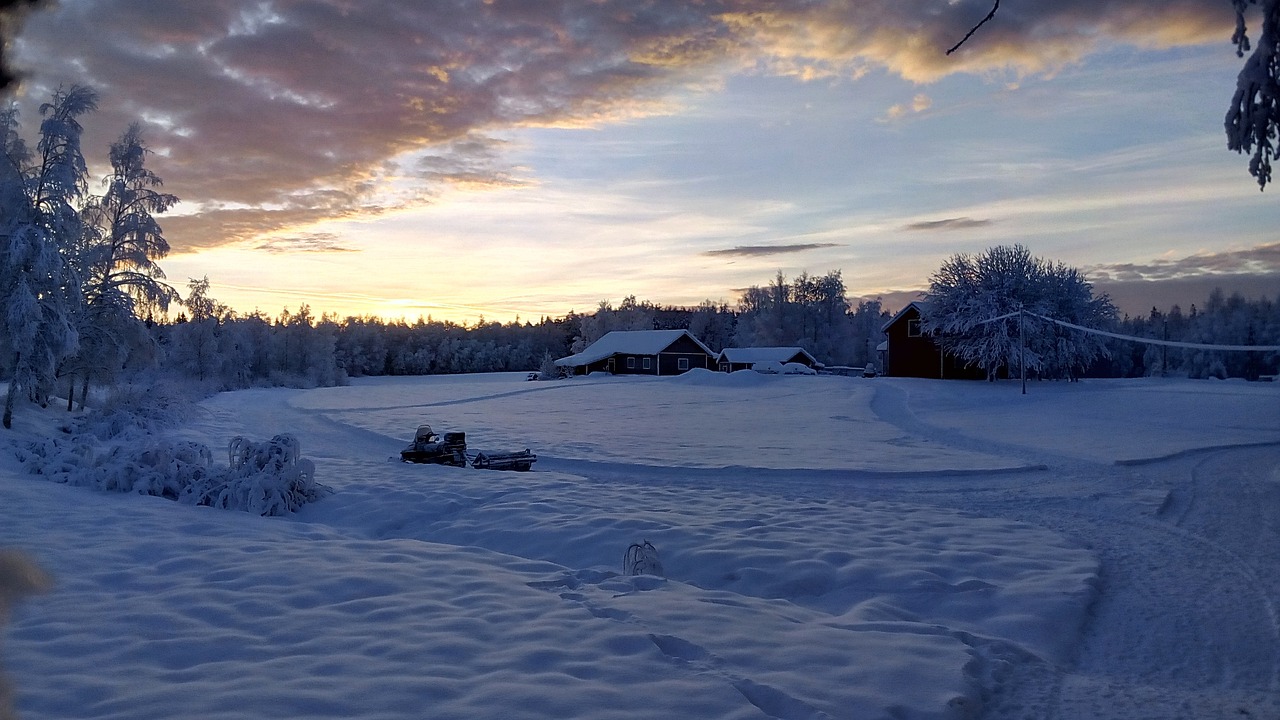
<point x="629" y="315"/>
<point x="810" y="312"/>
<point x="1253" y="118"/>
<point x="969" y="291"/>
<point x="121" y="280"/>
<point x="194" y="343"/>
<point x="41" y="228"/>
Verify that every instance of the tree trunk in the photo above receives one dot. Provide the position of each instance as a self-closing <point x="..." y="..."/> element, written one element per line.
<point x="71" y="392"/>
<point x="84" y="391"/>
<point x="13" y="391"/>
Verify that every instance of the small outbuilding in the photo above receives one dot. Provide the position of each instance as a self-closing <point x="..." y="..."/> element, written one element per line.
<point x="911" y="352"/>
<point x="732" y="359"/>
<point x="641" y="352"/>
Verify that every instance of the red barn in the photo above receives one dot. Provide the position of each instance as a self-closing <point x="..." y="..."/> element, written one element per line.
<point x="911" y="352"/>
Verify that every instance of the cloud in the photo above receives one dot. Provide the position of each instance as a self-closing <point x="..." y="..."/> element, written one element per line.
<point x="473" y="161"/>
<point x="311" y="242"/>
<point x="1261" y="259"/>
<point x="960" y="223"/>
<point x="295" y="112"/>
<point x="765" y="250"/>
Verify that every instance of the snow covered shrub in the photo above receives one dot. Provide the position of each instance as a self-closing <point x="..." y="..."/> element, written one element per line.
<point x="548" y="370"/>
<point x="141" y="409"/>
<point x="642" y="559"/>
<point x="1217" y="369"/>
<point x="160" y="468"/>
<point x="267" y="478"/>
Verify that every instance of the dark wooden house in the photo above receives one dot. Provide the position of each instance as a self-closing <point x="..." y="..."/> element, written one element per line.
<point x="732" y="359"/>
<point x="911" y="352"/>
<point x="641" y="352"/>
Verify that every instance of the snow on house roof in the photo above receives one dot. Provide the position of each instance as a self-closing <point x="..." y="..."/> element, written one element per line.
<point x="761" y="354"/>
<point x="628" y="342"/>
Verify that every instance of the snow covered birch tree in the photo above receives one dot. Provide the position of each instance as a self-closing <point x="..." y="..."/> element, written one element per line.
<point x="121" y="278"/>
<point x="38" y="283"/>
<point x="969" y="292"/>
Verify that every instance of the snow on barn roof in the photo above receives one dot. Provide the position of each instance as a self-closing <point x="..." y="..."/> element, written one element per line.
<point x="628" y="342"/>
<point x="762" y="354"/>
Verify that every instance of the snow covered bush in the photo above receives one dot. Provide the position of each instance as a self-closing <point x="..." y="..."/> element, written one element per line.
<point x="144" y="409"/>
<point x="163" y="469"/>
<point x="267" y="478"/>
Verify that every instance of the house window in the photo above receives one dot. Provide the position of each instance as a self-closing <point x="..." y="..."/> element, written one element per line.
<point x="646" y="363"/>
<point x="631" y="363"/>
<point x="683" y="363"/>
<point x="913" y="328"/>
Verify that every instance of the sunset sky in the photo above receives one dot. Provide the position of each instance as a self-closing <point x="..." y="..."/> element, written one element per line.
<point x="511" y="158"/>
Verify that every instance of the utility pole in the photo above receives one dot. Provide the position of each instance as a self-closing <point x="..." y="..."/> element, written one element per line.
<point x="1022" y="352"/>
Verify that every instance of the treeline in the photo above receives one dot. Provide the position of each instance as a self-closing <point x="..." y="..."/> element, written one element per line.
<point x="1221" y="320"/>
<point x="212" y="344"/>
<point x="226" y="350"/>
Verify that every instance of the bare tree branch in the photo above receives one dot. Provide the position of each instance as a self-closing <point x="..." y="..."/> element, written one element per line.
<point x="974" y="29"/>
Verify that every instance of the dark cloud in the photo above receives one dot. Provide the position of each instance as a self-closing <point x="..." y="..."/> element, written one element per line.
<point x="1262" y="259"/>
<point x="307" y="109"/>
<point x="960" y="223"/>
<point x="1138" y="297"/>
<point x="311" y="242"/>
<point x="764" y="250"/>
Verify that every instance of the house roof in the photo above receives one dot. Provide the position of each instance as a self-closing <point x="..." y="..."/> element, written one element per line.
<point x="762" y="354"/>
<point x="918" y="306"/>
<point x="629" y="342"/>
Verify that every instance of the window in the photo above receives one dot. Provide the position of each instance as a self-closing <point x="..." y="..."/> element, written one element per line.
<point x="646" y="363"/>
<point x="683" y="363"/>
<point x="631" y="363"/>
<point x="913" y="328"/>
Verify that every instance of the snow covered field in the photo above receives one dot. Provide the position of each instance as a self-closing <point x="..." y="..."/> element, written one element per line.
<point x="833" y="547"/>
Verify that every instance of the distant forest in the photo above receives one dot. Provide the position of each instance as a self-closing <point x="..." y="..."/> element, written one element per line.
<point x="210" y="343"/>
<point x="228" y="350"/>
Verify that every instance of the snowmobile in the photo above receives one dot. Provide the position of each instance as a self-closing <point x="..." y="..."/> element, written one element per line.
<point x="451" y="449"/>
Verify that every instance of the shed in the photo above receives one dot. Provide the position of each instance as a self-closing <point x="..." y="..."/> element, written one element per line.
<point x="911" y="352"/>
<point x="732" y="359"/>
<point x="641" y="352"/>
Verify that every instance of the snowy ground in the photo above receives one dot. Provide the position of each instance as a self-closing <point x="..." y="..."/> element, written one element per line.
<point x="833" y="547"/>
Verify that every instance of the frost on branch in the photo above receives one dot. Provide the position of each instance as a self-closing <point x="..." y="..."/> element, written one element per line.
<point x="1254" y="115"/>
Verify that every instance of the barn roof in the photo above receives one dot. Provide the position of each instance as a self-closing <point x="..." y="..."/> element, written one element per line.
<point x="628" y="342"/>
<point x="919" y="307"/>
<point x="762" y="354"/>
